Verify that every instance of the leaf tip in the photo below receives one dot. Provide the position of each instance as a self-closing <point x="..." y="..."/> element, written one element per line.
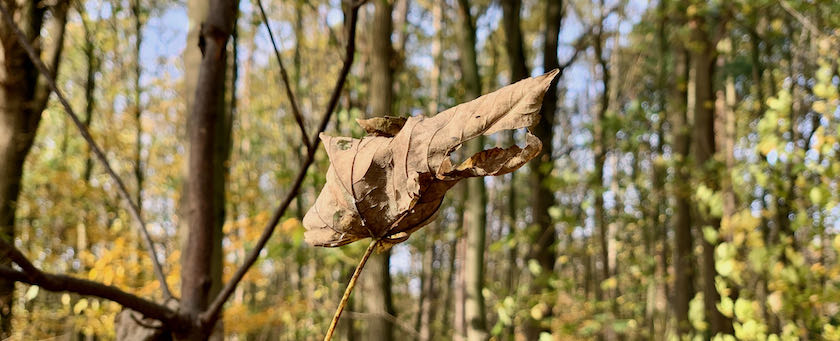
<point x="549" y="77"/>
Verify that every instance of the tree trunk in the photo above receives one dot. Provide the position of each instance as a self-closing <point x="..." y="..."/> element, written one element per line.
<point x="376" y="283"/>
<point x="209" y="134"/>
<point x="599" y="149"/>
<point x="703" y="59"/>
<point x="513" y="33"/>
<point x="543" y="250"/>
<point x="517" y="62"/>
<point x="683" y="241"/>
<point x="427" y="290"/>
<point x="23" y="97"/>
<point x="657" y="319"/>
<point x="90" y="85"/>
<point x="475" y="215"/>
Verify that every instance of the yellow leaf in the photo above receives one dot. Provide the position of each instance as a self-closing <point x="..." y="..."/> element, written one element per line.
<point x="31" y="293"/>
<point x="93" y="274"/>
<point x="80" y="306"/>
<point x="774" y="301"/>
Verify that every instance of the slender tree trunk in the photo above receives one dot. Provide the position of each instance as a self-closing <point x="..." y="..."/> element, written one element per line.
<point x="683" y="241"/>
<point x="137" y="91"/>
<point x="90" y="85"/>
<point x="138" y="109"/>
<point x="23" y="97"/>
<point x="475" y="215"/>
<point x="459" y="324"/>
<point x="657" y="319"/>
<point x="513" y="34"/>
<point x="427" y="289"/>
<point x="703" y="61"/>
<point x="599" y="148"/>
<point x="542" y="197"/>
<point x="511" y="11"/>
<point x="209" y="133"/>
<point x="376" y="283"/>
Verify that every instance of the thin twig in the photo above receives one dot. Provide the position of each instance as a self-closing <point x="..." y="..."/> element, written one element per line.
<point x="57" y="283"/>
<point x="801" y="18"/>
<point x="349" y="289"/>
<point x="285" y="77"/>
<point x="578" y="46"/>
<point x="209" y="316"/>
<point x="121" y="189"/>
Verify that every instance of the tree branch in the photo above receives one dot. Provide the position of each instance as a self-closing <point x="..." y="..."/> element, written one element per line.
<point x="62" y="283"/>
<point x="579" y="46"/>
<point x="285" y="76"/>
<point x="800" y="18"/>
<point x="210" y="316"/>
<point x="121" y="189"/>
<point x="57" y="30"/>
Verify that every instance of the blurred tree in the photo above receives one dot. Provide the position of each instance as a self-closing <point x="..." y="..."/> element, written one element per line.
<point x="23" y="98"/>
<point x="376" y="284"/>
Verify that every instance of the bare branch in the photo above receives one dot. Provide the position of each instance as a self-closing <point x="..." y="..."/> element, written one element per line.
<point x="54" y="51"/>
<point x="579" y="46"/>
<point x="285" y="76"/>
<point x="62" y="283"/>
<point x="210" y="316"/>
<point x="801" y="18"/>
<point x="121" y="189"/>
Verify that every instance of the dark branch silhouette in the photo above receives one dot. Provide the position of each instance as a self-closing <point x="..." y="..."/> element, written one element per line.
<point x="29" y="274"/>
<point x="285" y="76"/>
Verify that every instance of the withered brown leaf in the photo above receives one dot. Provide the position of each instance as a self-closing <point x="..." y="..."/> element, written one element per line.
<point x="392" y="182"/>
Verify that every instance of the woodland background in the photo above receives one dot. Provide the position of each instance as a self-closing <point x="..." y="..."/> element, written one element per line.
<point x="688" y="186"/>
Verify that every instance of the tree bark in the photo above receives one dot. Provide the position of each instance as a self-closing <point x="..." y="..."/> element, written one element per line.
<point x="475" y="215"/>
<point x="376" y="284"/>
<point x="427" y="287"/>
<point x="543" y="250"/>
<point x="683" y="240"/>
<point x="513" y="34"/>
<point x="517" y="61"/>
<point x="658" y="298"/>
<point x="209" y="135"/>
<point x="600" y="154"/>
<point x="703" y="59"/>
<point x="23" y="97"/>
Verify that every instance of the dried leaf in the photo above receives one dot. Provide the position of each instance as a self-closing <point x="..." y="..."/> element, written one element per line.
<point x="391" y="183"/>
<point x="382" y="126"/>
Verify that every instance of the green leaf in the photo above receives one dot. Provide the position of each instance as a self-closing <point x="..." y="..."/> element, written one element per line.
<point x="696" y="313"/>
<point x="710" y="234"/>
<point x="725" y="306"/>
<point x="534" y="267"/>
<point x="744" y="310"/>
<point x="80" y="306"/>
<point x="545" y="336"/>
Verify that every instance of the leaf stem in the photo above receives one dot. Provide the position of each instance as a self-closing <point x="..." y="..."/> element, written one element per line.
<point x="349" y="289"/>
